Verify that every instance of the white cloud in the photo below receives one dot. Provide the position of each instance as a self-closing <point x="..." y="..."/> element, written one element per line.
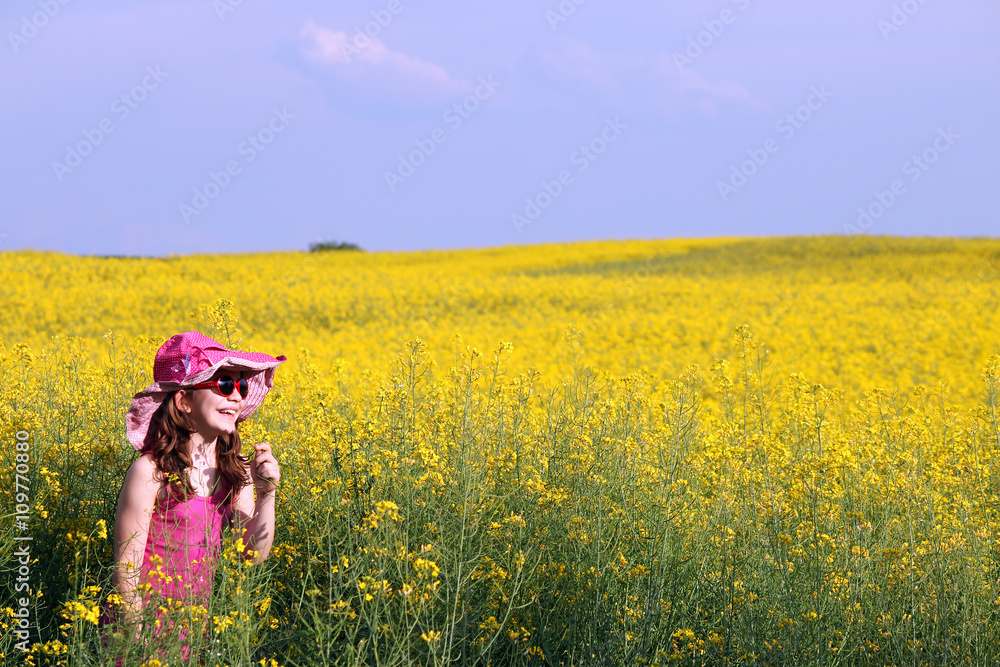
<point x="575" y="60"/>
<point x="690" y="81"/>
<point x="337" y="49"/>
<point x="641" y="78"/>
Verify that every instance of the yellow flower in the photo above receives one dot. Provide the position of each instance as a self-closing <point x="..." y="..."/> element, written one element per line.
<point x="838" y="450"/>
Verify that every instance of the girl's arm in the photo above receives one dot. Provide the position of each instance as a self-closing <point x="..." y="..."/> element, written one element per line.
<point x="258" y="518"/>
<point x="135" y="505"/>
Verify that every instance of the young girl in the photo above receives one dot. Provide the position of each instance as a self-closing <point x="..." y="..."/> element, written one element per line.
<point x="191" y="481"/>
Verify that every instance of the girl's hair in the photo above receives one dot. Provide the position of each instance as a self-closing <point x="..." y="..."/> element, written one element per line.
<point x="167" y="438"/>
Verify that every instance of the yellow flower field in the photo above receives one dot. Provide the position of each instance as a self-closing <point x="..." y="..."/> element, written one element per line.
<point x="693" y="452"/>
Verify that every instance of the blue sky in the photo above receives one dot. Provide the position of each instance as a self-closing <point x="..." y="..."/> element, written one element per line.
<point x="175" y="127"/>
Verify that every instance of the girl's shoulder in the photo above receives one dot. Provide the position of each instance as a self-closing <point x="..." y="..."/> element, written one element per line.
<point x="143" y="469"/>
<point x="141" y="486"/>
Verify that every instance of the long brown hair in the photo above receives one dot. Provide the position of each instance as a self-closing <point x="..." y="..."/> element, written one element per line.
<point x="167" y="440"/>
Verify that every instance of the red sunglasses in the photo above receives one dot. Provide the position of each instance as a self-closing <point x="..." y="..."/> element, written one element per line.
<point x="226" y="386"/>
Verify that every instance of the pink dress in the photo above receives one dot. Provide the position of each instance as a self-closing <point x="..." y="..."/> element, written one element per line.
<point x="183" y="543"/>
<point x="182" y="547"/>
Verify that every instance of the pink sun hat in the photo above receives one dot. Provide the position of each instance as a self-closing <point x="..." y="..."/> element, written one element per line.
<point x="191" y="358"/>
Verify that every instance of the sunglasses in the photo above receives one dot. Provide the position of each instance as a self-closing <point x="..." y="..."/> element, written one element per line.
<point x="226" y="386"/>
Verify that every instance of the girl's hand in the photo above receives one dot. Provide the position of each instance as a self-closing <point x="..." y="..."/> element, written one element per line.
<point x="264" y="470"/>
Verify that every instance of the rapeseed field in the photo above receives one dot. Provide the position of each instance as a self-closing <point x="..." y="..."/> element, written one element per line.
<point x="688" y="452"/>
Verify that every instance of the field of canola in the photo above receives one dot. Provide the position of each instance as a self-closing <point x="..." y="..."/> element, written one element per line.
<point x="688" y="452"/>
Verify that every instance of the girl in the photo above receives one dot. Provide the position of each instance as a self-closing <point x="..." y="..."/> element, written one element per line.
<point x="191" y="480"/>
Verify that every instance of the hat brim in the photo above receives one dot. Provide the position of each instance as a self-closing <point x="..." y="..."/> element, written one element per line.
<point x="146" y="402"/>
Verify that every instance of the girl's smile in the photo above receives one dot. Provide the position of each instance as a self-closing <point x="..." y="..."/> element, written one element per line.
<point x="213" y="414"/>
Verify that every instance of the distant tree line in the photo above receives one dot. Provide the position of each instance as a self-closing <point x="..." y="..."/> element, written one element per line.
<point x="323" y="246"/>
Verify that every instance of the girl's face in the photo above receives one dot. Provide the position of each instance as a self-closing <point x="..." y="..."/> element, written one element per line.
<point x="211" y="413"/>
